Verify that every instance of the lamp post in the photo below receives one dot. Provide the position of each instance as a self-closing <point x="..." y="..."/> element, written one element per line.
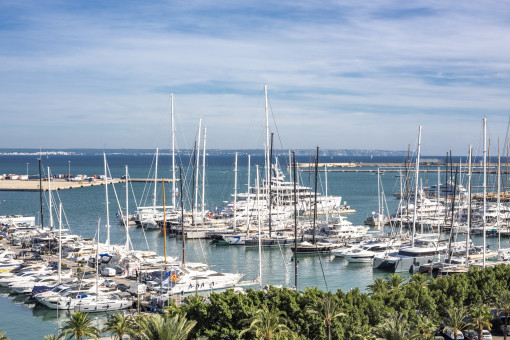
<point x="27" y="169"/>
<point x="69" y="171"/>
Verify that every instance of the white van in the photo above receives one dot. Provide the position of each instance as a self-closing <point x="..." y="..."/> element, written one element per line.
<point x="449" y="334"/>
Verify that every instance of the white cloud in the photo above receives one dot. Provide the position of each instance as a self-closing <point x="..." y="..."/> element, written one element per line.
<point x="76" y="70"/>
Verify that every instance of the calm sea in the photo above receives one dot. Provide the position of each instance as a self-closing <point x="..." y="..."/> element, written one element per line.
<point x="83" y="207"/>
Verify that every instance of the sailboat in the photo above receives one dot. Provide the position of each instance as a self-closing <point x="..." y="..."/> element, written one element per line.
<point x="423" y="249"/>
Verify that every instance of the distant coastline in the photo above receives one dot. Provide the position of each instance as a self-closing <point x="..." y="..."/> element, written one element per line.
<point x="212" y="152"/>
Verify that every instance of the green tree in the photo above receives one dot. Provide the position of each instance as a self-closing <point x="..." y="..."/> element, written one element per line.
<point x="425" y="327"/>
<point x="267" y="323"/>
<point x="503" y="304"/>
<point x="328" y="309"/>
<point x="157" y="327"/>
<point x="380" y="286"/>
<point x="480" y="318"/>
<point x="79" y="325"/>
<point x="396" y="327"/>
<point x="3" y="336"/>
<point x="119" y="324"/>
<point x="394" y="281"/>
<point x="456" y="319"/>
<point x="51" y="337"/>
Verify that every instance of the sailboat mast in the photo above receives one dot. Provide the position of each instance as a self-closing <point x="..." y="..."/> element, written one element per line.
<point x="193" y="185"/>
<point x="203" y="177"/>
<point x="295" y="221"/>
<point x="155" y="183"/>
<point x="378" y="193"/>
<point x="107" y="204"/>
<point x="417" y="173"/>
<point x="60" y="243"/>
<point x="268" y="164"/>
<point x="248" y="199"/>
<point x="484" y="122"/>
<point x="498" y="201"/>
<point x="270" y="194"/>
<point x="234" y="223"/>
<point x="182" y="219"/>
<point x="126" y="218"/>
<point x="173" y="150"/>
<point x="50" y="199"/>
<point x="469" y="204"/>
<point x="259" y="231"/>
<point x="40" y="192"/>
<point x="197" y="164"/>
<point x="326" y="193"/>
<point x="164" y="217"/>
<point x="315" y="194"/>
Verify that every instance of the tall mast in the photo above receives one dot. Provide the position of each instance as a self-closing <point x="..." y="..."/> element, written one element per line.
<point x="270" y="202"/>
<point x="484" y="122"/>
<point x="60" y="242"/>
<point x="193" y="185"/>
<point x="164" y="218"/>
<point x="499" y="200"/>
<point x="182" y="219"/>
<point x="267" y="135"/>
<point x="234" y="223"/>
<point x="197" y="164"/>
<point x="97" y="259"/>
<point x="155" y="183"/>
<point x="40" y="192"/>
<point x="173" y="151"/>
<point x="326" y="193"/>
<point x="469" y="204"/>
<point x="203" y="177"/>
<point x="378" y="194"/>
<point x="126" y="218"/>
<point x="259" y="231"/>
<point x="107" y="205"/>
<point x="295" y="221"/>
<point x="50" y="199"/>
<point x="417" y="173"/>
<point x="315" y="201"/>
<point x="248" y="199"/>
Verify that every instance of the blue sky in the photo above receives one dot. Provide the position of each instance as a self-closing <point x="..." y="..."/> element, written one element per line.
<point x="340" y="74"/>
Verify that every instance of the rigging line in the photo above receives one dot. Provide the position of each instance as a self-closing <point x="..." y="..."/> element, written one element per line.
<point x="322" y="268"/>
<point x="64" y="212"/>
<point x="118" y="203"/>
<point x="274" y="121"/>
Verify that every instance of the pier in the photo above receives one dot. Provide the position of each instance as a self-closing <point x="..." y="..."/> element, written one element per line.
<point x="62" y="184"/>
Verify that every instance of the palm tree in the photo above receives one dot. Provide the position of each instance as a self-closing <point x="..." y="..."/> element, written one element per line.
<point x="503" y="304"/>
<point x="394" y="280"/>
<point x="329" y="309"/>
<point x="51" y="337"/>
<point x="157" y="327"/>
<point x="3" y="336"/>
<point x="395" y="327"/>
<point x="267" y="323"/>
<point x="119" y="324"/>
<point x="480" y="318"/>
<point x="379" y="286"/>
<point x="425" y="327"/>
<point x="79" y="325"/>
<point x="455" y="319"/>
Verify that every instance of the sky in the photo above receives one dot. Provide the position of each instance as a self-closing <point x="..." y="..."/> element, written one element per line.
<point x="340" y="74"/>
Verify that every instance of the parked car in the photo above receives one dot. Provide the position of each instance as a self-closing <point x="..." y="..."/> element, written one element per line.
<point x="122" y="287"/>
<point x="449" y="334"/>
<point x="109" y="283"/>
<point x="486" y="335"/>
<point x="470" y="335"/>
<point x="502" y="329"/>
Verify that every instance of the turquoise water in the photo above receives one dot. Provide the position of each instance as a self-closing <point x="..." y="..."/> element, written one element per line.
<point x="21" y="320"/>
